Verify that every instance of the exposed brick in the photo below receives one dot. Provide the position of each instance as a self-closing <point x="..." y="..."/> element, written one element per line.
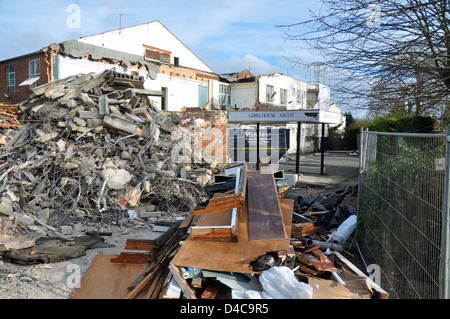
<point x="21" y="64"/>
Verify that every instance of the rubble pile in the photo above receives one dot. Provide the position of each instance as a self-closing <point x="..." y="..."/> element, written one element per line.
<point x="93" y="147"/>
<point x="244" y="260"/>
<point x="9" y="117"/>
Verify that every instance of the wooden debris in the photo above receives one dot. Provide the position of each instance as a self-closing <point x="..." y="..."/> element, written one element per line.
<point x="184" y="286"/>
<point x="304" y="229"/>
<point x="211" y="290"/>
<point x="265" y="220"/>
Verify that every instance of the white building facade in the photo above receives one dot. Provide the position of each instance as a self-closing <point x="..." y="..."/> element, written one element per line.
<point x="185" y="79"/>
<point x="279" y="91"/>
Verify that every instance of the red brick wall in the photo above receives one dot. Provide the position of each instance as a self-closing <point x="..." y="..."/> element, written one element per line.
<point x="21" y="64"/>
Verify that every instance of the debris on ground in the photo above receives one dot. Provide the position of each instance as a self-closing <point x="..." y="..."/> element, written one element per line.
<point x="93" y="151"/>
<point x="248" y="243"/>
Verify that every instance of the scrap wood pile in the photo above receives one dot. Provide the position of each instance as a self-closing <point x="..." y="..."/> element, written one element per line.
<point x="246" y="243"/>
<point x="93" y="147"/>
<point x="9" y="117"/>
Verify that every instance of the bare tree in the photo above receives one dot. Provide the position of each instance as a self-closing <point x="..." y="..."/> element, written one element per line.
<point x="389" y="52"/>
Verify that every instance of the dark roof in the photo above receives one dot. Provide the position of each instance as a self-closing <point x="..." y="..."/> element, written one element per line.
<point x="22" y="56"/>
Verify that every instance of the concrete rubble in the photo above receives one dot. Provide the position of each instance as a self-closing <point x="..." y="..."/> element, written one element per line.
<point x="93" y="149"/>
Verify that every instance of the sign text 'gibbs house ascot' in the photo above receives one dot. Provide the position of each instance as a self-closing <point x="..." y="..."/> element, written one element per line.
<point x="305" y="116"/>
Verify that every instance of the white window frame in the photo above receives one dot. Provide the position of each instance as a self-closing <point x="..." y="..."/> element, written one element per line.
<point x="283" y="96"/>
<point x="299" y="97"/>
<point x="224" y="97"/>
<point x="270" y="90"/>
<point x="33" y="70"/>
<point x="11" y="78"/>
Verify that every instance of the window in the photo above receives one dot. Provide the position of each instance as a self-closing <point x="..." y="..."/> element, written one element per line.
<point x="156" y="54"/>
<point x="311" y="99"/>
<point x="283" y="96"/>
<point x="176" y="61"/>
<point x="224" y="94"/>
<point x="269" y="93"/>
<point x="293" y="91"/>
<point x="299" y="97"/>
<point x="35" y="70"/>
<point x="11" y="78"/>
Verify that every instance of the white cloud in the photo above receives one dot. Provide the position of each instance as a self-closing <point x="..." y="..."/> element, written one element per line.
<point x="229" y="35"/>
<point x="247" y="62"/>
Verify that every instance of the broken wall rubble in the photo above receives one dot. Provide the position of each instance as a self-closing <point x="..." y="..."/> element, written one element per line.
<point x="94" y="147"/>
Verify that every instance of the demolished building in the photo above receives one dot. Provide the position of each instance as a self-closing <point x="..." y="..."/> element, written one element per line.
<point x="94" y="148"/>
<point x="150" y="49"/>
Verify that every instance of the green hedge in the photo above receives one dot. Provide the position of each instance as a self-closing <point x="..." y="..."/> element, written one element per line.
<point x="405" y="123"/>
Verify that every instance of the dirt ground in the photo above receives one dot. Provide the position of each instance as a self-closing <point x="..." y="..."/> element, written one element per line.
<point x="55" y="280"/>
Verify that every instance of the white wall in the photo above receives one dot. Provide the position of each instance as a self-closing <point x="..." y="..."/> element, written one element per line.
<point x="131" y="40"/>
<point x="280" y="81"/>
<point x="68" y="66"/>
<point x="181" y="92"/>
<point x="243" y="95"/>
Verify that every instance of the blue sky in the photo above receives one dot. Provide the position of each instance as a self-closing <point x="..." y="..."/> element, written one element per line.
<point x="228" y="35"/>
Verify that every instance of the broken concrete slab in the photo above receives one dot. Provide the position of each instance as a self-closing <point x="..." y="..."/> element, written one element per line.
<point x="6" y="208"/>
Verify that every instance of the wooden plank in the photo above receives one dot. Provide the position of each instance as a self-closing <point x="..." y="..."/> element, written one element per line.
<point x="156" y="287"/>
<point x="150" y="276"/>
<point x="265" y="220"/>
<point x="142" y="111"/>
<point x="216" y="226"/>
<point x="172" y="291"/>
<point x="184" y="286"/>
<point x="140" y="244"/>
<point x="308" y="270"/>
<point x="197" y="282"/>
<point x="222" y="203"/>
<point x="383" y="294"/>
<point x="304" y="229"/>
<point x="106" y="280"/>
<point x="233" y="256"/>
<point x="211" y="290"/>
<point x="133" y="258"/>
<point x="152" y="244"/>
<point x="320" y="262"/>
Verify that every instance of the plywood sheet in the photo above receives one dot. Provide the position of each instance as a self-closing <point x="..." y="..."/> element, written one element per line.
<point x="233" y="256"/>
<point x="265" y="220"/>
<point x="216" y="226"/>
<point x="106" y="280"/>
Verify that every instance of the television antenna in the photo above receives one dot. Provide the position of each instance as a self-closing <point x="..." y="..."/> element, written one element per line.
<point x="120" y="18"/>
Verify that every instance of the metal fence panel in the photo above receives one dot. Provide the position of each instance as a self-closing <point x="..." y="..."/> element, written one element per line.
<point x="400" y="210"/>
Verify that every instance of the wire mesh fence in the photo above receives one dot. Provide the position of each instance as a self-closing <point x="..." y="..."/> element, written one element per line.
<point x="400" y="210"/>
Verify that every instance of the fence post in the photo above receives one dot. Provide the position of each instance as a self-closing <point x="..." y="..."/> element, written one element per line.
<point x="445" y="246"/>
<point x="360" y="170"/>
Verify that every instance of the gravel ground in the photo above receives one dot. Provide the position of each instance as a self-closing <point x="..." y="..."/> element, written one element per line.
<point x="55" y="280"/>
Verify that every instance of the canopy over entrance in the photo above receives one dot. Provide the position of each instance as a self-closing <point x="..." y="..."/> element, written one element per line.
<point x="287" y="116"/>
